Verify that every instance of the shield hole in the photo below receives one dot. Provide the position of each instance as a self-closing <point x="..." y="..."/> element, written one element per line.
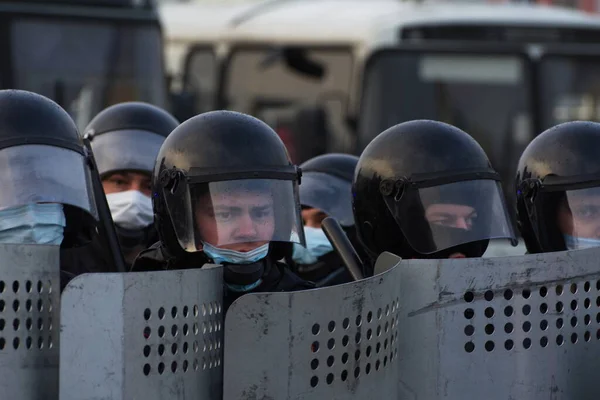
<point x="357" y="337"/>
<point x="161" y="368"/>
<point x="2" y="286"/>
<point x="586" y="286"/>
<point x="377" y="365"/>
<point x="186" y="330"/>
<point x="378" y="347"/>
<point x="345" y="340"/>
<point x="28" y="286"/>
<point x="543" y="291"/>
<point x="559" y="306"/>
<point x="573" y="322"/>
<point x="331" y="344"/>
<point x="387" y="310"/>
<point x="147" y="332"/>
<point x="387" y="327"/>
<point x="28" y="324"/>
<point x="469" y="347"/>
<point x="544" y="341"/>
<point x="346" y="323"/>
<point x="344" y="375"/>
<point x="174" y="366"/>
<point x="344" y="358"/>
<point x="508" y="294"/>
<point x="574" y="338"/>
<point x="40" y="305"/>
<point x="385" y="361"/>
<point x="186" y="311"/>
<point x="469" y="330"/>
<point x="16" y="343"/>
<point x="526" y="326"/>
<point x="369" y="350"/>
<point x="526" y="309"/>
<point x="40" y="324"/>
<point x="489" y="312"/>
<point x="379" y="330"/>
<point x="50" y="345"/>
<point x="174" y="312"/>
<point x="559" y="323"/>
<point x="314" y="364"/>
<point x="574" y="305"/>
<point x="161" y="349"/>
<point x="469" y="297"/>
<point x="489" y="295"/>
<point x="543" y="308"/>
<point x="195" y="327"/>
<point x="147" y="314"/>
<point x="174" y="348"/>
<point x="379" y="312"/>
<point x="28" y="342"/>
<point x="385" y="344"/>
<point x="330" y="361"/>
<point x="146" y="351"/>
<point x="146" y="369"/>
<point x="356" y="372"/>
<point x="489" y="345"/>
<point x="40" y="343"/>
<point x="543" y="324"/>
<point x="587" y="319"/>
<point x="560" y="340"/>
<point x="370" y="317"/>
<point x="559" y="290"/>
<point x="329" y="379"/>
<point x="16" y="286"/>
<point x="509" y="344"/>
<point x="369" y="334"/>
<point x="315" y="329"/>
<point x="358" y="320"/>
<point x="331" y="326"/>
<point x="357" y="355"/>
<point x="161" y="331"/>
<point x="185" y="347"/>
<point x="161" y="313"/>
<point x="489" y="329"/>
<point x="315" y="347"/>
<point x="573" y="288"/>
<point x="368" y="369"/>
<point x="587" y="336"/>
<point x="314" y="381"/>
<point x="526" y="343"/>
<point x="195" y="365"/>
<point x="174" y="330"/>
<point x="2" y="343"/>
<point x="16" y="324"/>
<point x="587" y="303"/>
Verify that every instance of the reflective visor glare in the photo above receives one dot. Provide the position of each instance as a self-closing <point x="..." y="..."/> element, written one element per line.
<point x="45" y="174"/>
<point x="244" y="213"/>
<point x="440" y="217"/>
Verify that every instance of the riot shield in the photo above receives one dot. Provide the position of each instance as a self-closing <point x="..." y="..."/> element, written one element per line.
<point x="524" y="327"/>
<point x="143" y="335"/>
<point x="336" y="342"/>
<point x="29" y="299"/>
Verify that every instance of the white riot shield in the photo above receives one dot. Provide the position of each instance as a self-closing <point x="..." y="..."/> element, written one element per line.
<point x="525" y="327"/>
<point x="143" y="335"/>
<point x="29" y="303"/>
<point x="337" y="342"/>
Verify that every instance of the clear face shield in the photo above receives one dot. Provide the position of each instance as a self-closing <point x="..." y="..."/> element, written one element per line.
<point x="237" y="214"/>
<point x="435" y="215"/>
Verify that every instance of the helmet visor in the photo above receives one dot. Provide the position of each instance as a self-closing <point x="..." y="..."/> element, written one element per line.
<point x="440" y="217"/>
<point x="579" y="218"/>
<point x="329" y="194"/>
<point x="242" y="214"/>
<point x="45" y="174"/>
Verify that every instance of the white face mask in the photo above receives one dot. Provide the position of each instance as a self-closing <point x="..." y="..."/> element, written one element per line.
<point x="131" y="209"/>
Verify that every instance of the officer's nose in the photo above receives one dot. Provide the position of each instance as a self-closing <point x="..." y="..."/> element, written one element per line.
<point x="246" y="226"/>
<point x="461" y="223"/>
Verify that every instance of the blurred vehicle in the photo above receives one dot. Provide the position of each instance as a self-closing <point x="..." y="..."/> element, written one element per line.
<point x="84" y="54"/>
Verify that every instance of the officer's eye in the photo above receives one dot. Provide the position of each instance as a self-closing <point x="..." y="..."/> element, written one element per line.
<point x="586" y="211"/>
<point x="222" y="215"/>
<point x="260" y="213"/>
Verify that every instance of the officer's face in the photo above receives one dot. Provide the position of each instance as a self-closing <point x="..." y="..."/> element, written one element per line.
<point x="451" y="215"/>
<point x="123" y="181"/>
<point x="580" y="215"/>
<point x="240" y="221"/>
<point x="313" y="217"/>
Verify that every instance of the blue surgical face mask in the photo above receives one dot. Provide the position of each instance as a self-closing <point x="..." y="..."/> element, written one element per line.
<point x="317" y="245"/>
<point x="33" y="224"/>
<point x="243" y="288"/>
<point x="220" y="256"/>
<point x="579" y="243"/>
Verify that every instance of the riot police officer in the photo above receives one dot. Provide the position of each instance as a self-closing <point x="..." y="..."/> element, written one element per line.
<point x="426" y="189"/>
<point x="46" y="189"/>
<point x="126" y="138"/>
<point x="326" y="190"/>
<point x="558" y="189"/>
<point x="225" y="191"/>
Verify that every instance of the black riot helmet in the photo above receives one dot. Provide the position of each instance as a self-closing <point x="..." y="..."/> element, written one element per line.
<point x="327" y="185"/>
<point x="128" y="136"/>
<point x="558" y="188"/>
<point x="43" y="160"/>
<point x="426" y="189"/>
<point x="225" y="178"/>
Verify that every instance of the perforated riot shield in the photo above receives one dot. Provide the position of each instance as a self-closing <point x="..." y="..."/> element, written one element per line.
<point x="29" y="303"/>
<point x="332" y="343"/>
<point x="143" y="335"/>
<point x="522" y="327"/>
